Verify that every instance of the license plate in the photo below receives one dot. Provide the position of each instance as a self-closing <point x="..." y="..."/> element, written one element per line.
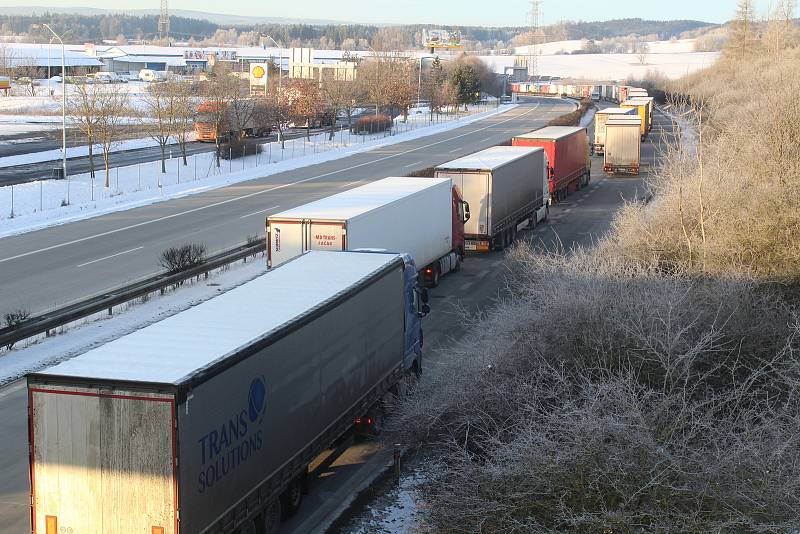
<point x="470" y="246"/>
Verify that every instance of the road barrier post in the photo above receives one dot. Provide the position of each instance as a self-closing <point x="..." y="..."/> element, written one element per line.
<point x="12" y="201"/>
<point x="41" y="195"/>
<point x="139" y="176"/>
<point x="195" y="167"/>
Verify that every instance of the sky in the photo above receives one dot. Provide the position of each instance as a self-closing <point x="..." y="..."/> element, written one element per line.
<point x="444" y="12"/>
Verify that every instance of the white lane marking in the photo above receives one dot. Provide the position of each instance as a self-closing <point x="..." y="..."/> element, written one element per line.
<point x="412" y="164"/>
<point x="455" y="150"/>
<point x="259" y="211"/>
<point x="111" y="256"/>
<point x="487" y="139"/>
<point x="348" y="184"/>
<point x="268" y="190"/>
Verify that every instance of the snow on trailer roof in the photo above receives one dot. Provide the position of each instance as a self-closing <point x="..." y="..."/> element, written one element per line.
<point x="614" y="111"/>
<point x="172" y="350"/>
<point x="489" y="159"/>
<point x="359" y="200"/>
<point x="624" y="120"/>
<point x="551" y="132"/>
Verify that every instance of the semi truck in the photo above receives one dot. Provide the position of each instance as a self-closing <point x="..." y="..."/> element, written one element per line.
<point x="642" y="111"/>
<point x="223" y="119"/>
<point x="600" y="119"/>
<point x="423" y="217"/>
<point x="505" y="187"/>
<point x="206" y="421"/>
<point x="567" y="149"/>
<point x="623" y="146"/>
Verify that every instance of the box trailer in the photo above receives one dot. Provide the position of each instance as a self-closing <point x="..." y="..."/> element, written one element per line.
<point x="505" y="186"/>
<point x="600" y="119"/>
<point x="206" y="421"/>
<point x="642" y="110"/>
<point x="567" y="149"/>
<point x="423" y="217"/>
<point x="623" y="146"/>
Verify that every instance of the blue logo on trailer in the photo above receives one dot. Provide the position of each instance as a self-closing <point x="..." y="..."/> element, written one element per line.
<point x="256" y="401"/>
<point x="231" y="443"/>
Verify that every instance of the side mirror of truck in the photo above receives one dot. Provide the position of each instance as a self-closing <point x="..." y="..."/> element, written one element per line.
<point x="464" y="211"/>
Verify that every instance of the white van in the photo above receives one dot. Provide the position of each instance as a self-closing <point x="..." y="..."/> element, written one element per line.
<point x="107" y="77"/>
<point x="149" y="75"/>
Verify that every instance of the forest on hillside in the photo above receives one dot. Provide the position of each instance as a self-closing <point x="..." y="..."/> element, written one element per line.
<point x="122" y="28"/>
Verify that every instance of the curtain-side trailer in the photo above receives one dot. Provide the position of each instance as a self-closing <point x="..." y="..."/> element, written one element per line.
<point x="205" y="422"/>
<point x="423" y="217"/>
<point x="505" y="186"/>
<point x="642" y="110"/>
<point x="567" y="149"/>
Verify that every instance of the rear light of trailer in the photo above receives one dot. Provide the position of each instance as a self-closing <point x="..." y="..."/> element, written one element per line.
<point x="51" y="524"/>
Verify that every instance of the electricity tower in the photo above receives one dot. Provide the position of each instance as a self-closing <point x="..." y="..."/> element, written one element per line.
<point x="163" y="22"/>
<point x="533" y="49"/>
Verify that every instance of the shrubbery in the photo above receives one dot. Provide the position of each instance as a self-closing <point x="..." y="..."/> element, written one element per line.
<point x="651" y="383"/>
<point x="370" y="124"/>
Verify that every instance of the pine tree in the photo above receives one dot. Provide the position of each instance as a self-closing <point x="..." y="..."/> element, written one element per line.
<point x="741" y="38"/>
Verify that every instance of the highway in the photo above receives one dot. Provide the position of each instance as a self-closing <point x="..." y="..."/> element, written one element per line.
<point x="30" y="172"/>
<point x="581" y="219"/>
<point x="58" y="265"/>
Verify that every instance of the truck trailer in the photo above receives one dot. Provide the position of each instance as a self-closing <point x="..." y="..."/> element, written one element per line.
<point x="206" y="421"/>
<point x="623" y="147"/>
<point x="423" y="217"/>
<point x="505" y="187"/>
<point x="642" y="110"/>
<point x="230" y="121"/>
<point x="567" y="149"/>
<point x="600" y="119"/>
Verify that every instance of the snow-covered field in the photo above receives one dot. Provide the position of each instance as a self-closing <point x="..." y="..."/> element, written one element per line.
<point x="677" y="46"/>
<point x="618" y="67"/>
<point x="35" y="205"/>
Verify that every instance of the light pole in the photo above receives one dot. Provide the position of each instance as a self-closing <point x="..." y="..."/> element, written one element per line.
<point x="280" y="72"/>
<point x="63" y="109"/>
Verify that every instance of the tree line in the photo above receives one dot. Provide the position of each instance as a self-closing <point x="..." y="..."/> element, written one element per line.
<point x="122" y="27"/>
<point x="388" y="86"/>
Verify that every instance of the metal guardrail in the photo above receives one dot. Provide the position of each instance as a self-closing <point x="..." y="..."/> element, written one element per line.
<point x="49" y="321"/>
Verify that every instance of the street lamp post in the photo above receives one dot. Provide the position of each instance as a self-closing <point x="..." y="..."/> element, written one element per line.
<point x="63" y="109"/>
<point x="376" y="75"/>
<point x="280" y="71"/>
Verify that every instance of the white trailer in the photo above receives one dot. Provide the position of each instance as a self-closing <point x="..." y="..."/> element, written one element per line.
<point x="399" y="214"/>
<point x="623" y="147"/>
<point x="600" y="119"/>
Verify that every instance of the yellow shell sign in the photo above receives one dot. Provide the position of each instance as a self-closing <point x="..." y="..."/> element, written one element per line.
<point x="258" y="72"/>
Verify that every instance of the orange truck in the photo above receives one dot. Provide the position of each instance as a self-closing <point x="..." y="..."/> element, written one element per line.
<point x="213" y="117"/>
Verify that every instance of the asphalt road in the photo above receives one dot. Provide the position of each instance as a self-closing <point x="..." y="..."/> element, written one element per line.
<point x="581" y="219"/>
<point x="30" y="172"/>
<point x="58" y="265"/>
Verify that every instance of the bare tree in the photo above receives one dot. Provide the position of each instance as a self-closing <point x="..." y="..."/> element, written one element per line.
<point x="780" y="26"/>
<point x="339" y="95"/>
<point x="277" y="107"/>
<point x="372" y="77"/>
<point x="113" y="111"/>
<point x="219" y="91"/>
<point x="83" y="109"/>
<point x="185" y="104"/>
<point x="159" y="116"/>
<point x="307" y="105"/>
<point x="742" y="33"/>
<point x="642" y="52"/>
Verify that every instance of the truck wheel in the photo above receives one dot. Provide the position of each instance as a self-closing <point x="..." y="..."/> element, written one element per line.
<point x="292" y="498"/>
<point x="272" y="517"/>
<point x="249" y="527"/>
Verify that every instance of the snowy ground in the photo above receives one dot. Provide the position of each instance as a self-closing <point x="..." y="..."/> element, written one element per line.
<point x="101" y="329"/>
<point x="393" y="511"/>
<point x="35" y="205"/>
<point x="613" y="66"/>
<point x="677" y="46"/>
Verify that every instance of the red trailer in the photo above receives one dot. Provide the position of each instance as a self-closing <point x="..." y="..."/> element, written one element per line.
<point x="567" y="149"/>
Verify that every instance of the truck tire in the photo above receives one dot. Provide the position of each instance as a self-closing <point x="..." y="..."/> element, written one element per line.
<point x="292" y="498"/>
<point x="249" y="527"/>
<point x="271" y="517"/>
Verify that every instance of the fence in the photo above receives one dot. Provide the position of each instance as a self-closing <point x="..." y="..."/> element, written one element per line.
<point x="142" y="180"/>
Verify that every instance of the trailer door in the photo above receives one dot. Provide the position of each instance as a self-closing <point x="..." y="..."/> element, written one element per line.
<point x="286" y="240"/>
<point x="325" y="235"/>
<point x="102" y="460"/>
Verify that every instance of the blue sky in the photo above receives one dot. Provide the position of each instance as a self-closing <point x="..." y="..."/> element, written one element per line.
<point x="444" y="12"/>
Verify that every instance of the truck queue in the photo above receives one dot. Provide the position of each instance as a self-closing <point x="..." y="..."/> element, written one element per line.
<point x="207" y="421"/>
